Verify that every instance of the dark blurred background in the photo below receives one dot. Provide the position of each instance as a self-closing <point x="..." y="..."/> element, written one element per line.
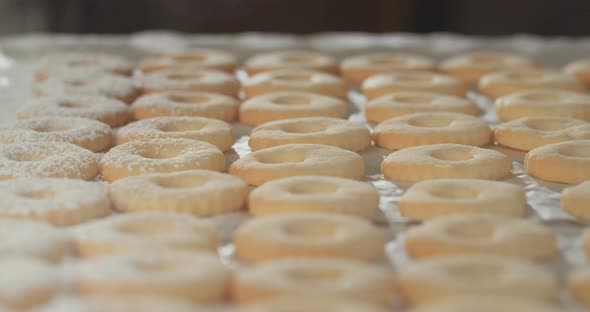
<point x="499" y="17"/>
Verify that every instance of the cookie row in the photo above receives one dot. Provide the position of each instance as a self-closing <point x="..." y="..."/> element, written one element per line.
<point x="549" y="162"/>
<point x="112" y="269"/>
<point x="390" y="73"/>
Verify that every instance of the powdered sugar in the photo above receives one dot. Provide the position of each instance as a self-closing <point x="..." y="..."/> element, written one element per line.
<point x="21" y="277"/>
<point x="208" y="130"/>
<point x="88" y="84"/>
<point x="109" y="304"/>
<point x="59" y="201"/>
<point x="163" y="155"/>
<point x="30" y="238"/>
<point x="143" y="231"/>
<point x="79" y="131"/>
<point x="81" y="63"/>
<point x="47" y="159"/>
<point x="149" y="269"/>
<point x="109" y="111"/>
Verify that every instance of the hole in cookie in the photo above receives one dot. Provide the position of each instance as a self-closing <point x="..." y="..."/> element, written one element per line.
<point x="157" y="266"/>
<point x="37" y="194"/>
<point x="158" y="153"/>
<point x="292" y="100"/>
<point x="191" y="76"/>
<point x="190" y="57"/>
<point x="412" y="99"/>
<point x="472" y="231"/>
<point x="304" y="128"/>
<point x="182" y="126"/>
<point x="84" y="62"/>
<point x="575" y="151"/>
<point x="452" y="154"/>
<point x="387" y="60"/>
<point x="455" y="193"/>
<point x="315" y="188"/>
<point x="431" y="121"/>
<point x="413" y="78"/>
<point x="293" y="77"/>
<point x="481" y="272"/>
<point x="279" y="158"/>
<point x="547" y="124"/>
<point x="67" y="104"/>
<point x="147" y="227"/>
<point x="298" y="59"/>
<point x="315" y="277"/>
<point x="180" y="183"/>
<point x="191" y="99"/>
<point x="310" y="229"/>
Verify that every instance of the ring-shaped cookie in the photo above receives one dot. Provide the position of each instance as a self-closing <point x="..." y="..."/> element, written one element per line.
<point x="308" y="235"/>
<point x="81" y="63"/>
<point x="117" y="87"/>
<point x="311" y="194"/>
<point x="43" y="283"/>
<point x="47" y="160"/>
<point x="405" y="103"/>
<point x="478" y="234"/>
<point x="580" y="69"/>
<point x="159" y="156"/>
<point x="431" y="128"/>
<point x="360" y="67"/>
<point x="291" y="59"/>
<point x="126" y="304"/>
<point x="298" y="160"/>
<point x="194" y="58"/>
<point x="302" y="80"/>
<point x="566" y="162"/>
<point x="185" y="104"/>
<point x="32" y="239"/>
<point x="543" y="103"/>
<point x="382" y="84"/>
<point x="431" y="280"/>
<point x="453" y="161"/>
<point x="208" y="130"/>
<point x="137" y="232"/>
<point x="506" y="82"/>
<point x="447" y="197"/>
<point x="198" y="192"/>
<point x="109" y="111"/>
<point x="196" y="276"/>
<point x="89" y="134"/>
<point x="342" y="133"/>
<point x="470" y="67"/>
<point x="579" y="285"/>
<point x="575" y="201"/>
<point x="190" y="80"/>
<point x="286" y="105"/>
<point x="312" y="303"/>
<point x="528" y="133"/>
<point x="57" y="201"/>
<point x="333" y="278"/>
<point x="486" y="302"/>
